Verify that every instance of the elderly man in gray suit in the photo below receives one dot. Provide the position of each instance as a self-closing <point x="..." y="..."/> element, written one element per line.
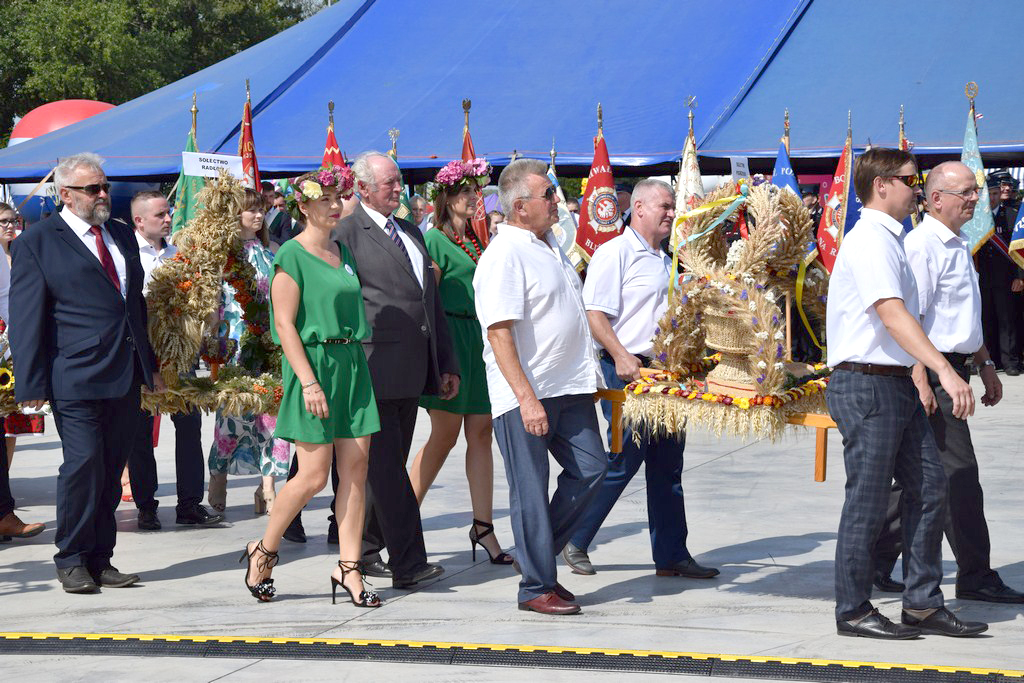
<point x="409" y="352"/>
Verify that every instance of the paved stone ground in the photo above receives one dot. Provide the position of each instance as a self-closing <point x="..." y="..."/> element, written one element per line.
<point x="753" y="509"/>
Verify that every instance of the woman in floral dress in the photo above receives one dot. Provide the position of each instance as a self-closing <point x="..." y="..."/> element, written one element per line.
<point x="246" y="444"/>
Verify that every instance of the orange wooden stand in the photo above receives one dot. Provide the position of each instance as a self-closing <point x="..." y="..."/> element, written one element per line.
<point x="821" y="423"/>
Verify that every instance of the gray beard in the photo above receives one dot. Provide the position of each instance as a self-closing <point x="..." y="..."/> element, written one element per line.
<point x="100" y="214"/>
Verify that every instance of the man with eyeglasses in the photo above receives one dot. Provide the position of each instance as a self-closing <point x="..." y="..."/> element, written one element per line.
<point x="541" y="375"/>
<point x="874" y="338"/>
<point x="79" y="340"/>
<point x="950" y="305"/>
<point x="1001" y="281"/>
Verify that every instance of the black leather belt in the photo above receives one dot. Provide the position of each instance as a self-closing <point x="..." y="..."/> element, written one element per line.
<point x="337" y="341"/>
<point x="644" y="360"/>
<point x="461" y="316"/>
<point x="875" y="369"/>
<point x="956" y="359"/>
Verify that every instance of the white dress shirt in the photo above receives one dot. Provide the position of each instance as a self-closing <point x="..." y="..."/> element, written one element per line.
<point x="627" y="280"/>
<point x="531" y="282"/>
<point x="81" y="228"/>
<point x="411" y="246"/>
<point x="947" y="287"/>
<point x="871" y="265"/>
<point x="5" y="288"/>
<point x="151" y="258"/>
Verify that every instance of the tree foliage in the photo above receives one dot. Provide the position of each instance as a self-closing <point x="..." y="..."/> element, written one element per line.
<point x="117" y="50"/>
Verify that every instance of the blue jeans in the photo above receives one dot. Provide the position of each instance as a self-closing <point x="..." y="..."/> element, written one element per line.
<point x="541" y="526"/>
<point x="666" y="513"/>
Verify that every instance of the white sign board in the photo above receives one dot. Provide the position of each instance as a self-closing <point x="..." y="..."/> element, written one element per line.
<point x="740" y="169"/>
<point x="204" y="165"/>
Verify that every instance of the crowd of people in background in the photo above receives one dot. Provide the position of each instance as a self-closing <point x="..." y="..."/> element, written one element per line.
<point x="494" y="335"/>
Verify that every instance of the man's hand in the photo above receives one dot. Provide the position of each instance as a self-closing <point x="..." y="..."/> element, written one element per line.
<point x="34" y="405"/>
<point x="627" y="367"/>
<point x="993" y="387"/>
<point x="449" y="386"/>
<point x="535" y="418"/>
<point x="927" y="397"/>
<point x="959" y="391"/>
<point x="159" y="386"/>
<point x="1017" y="285"/>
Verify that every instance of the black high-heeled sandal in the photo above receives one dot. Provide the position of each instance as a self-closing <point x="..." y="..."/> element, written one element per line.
<point x="264" y="590"/>
<point x="475" y="538"/>
<point x="366" y="598"/>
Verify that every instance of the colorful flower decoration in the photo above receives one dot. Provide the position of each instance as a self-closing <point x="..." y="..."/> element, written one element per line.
<point x="311" y="185"/>
<point x="476" y="172"/>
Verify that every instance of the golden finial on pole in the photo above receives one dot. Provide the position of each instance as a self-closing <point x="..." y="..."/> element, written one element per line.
<point x="330" y="113"/>
<point x="902" y="131"/>
<point x="466" y="104"/>
<point x="194" y="110"/>
<point x="849" y="123"/>
<point x="515" y="155"/>
<point x="785" y="129"/>
<point x="247" y="89"/>
<point x="691" y="104"/>
<point x="553" y="153"/>
<point x="600" y="119"/>
<point x="971" y="90"/>
<point x="393" y="134"/>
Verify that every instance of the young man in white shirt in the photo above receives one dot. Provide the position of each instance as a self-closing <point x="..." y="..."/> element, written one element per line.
<point x="626" y="294"/>
<point x="151" y="218"/>
<point x="541" y="376"/>
<point x="950" y="302"/>
<point x="874" y="338"/>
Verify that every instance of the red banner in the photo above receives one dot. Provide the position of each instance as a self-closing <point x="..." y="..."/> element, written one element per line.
<point x="332" y="153"/>
<point x="833" y="215"/>
<point x="600" y="218"/>
<point x="479" y="220"/>
<point x="247" y="150"/>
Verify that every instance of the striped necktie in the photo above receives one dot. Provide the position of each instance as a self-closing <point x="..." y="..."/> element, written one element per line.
<point x="392" y="229"/>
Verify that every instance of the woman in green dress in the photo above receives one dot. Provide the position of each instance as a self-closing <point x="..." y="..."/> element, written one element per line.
<point x="328" y="408"/>
<point x="455" y="251"/>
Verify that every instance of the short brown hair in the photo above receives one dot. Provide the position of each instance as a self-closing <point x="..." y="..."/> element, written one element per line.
<point x="144" y="196"/>
<point x="251" y="201"/>
<point x="877" y="162"/>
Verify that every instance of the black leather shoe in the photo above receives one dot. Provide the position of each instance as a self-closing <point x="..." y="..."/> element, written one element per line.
<point x="425" y="573"/>
<point x="197" y="515"/>
<point x="876" y="625"/>
<point x="295" y="532"/>
<point x="887" y="584"/>
<point x="1001" y="593"/>
<point x="148" y="521"/>
<point x="76" y="580"/>
<point x="111" y="578"/>
<point x="690" y="569"/>
<point x="332" y="533"/>
<point x="1012" y="372"/>
<point x="942" y="622"/>
<point x="377" y="568"/>
<point x="578" y="560"/>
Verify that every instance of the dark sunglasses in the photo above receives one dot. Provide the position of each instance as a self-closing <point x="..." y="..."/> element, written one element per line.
<point x="91" y="190"/>
<point x="908" y="180"/>
<point x="549" y="194"/>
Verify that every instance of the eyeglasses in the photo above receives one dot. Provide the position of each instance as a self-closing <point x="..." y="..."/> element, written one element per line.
<point x="8" y="221"/>
<point x="964" y="194"/>
<point x="908" y="180"/>
<point x="91" y="190"/>
<point x="549" y="194"/>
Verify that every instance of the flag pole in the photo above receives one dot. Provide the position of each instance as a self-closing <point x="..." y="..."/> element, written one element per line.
<point x="330" y="114"/>
<point x="785" y="132"/>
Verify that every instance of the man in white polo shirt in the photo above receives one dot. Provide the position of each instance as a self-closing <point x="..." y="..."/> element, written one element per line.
<point x="626" y="294"/>
<point x="873" y="340"/>
<point x="950" y="299"/>
<point x="541" y="375"/>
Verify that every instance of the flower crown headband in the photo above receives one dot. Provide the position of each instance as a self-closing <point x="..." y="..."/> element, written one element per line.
<point x="311" y="185"/>
<point x="454" y="173"/>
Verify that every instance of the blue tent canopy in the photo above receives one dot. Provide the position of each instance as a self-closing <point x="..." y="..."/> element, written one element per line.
<point x="535" y="71"/>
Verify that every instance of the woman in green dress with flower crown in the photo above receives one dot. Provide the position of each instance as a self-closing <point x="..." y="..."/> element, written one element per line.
<point x="455" y="251"/>
<point x="328" y="408"/>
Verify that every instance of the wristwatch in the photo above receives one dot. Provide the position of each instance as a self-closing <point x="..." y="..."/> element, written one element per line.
<point x="988" y="362"/>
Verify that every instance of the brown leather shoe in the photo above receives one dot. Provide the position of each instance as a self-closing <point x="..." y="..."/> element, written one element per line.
<point x="564" y="593"/>
<point x="550" y="603"/>
<point x="10" y="525"/>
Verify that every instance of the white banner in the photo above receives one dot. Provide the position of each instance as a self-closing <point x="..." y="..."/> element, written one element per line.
<point x="204" y="165"/>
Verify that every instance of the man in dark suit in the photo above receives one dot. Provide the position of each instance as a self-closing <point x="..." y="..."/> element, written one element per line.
<point x="1001" y="280"/>
<point x="409" y="352"/>
<point x="79" y="340"/>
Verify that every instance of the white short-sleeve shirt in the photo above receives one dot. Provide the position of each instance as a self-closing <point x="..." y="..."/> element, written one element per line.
<point x="151" y="258"/>
<point x="530" y="282"/>
<point x="871" y="266"/>
<point x="947" y="287"/>
<point x="627" y="280"/>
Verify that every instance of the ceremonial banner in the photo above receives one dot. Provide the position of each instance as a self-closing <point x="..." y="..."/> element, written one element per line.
<point x="332" y="153"/>
<point x="980" y="228"/>
<point x="600" y="219"/>
<point x="1016" y="246"/>
<point x="186" y="191"/>
<point x="688" y="183"/>
<point x="910" y="222"/>
<point x="834" y="213"/>
<point x="247" y="150"/>
<point x="479" y="220"/>
<point x="782" y="175"/>
<point x="565" y="229"/>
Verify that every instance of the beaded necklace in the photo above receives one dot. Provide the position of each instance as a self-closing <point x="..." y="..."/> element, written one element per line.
<point x="476" y="251"/>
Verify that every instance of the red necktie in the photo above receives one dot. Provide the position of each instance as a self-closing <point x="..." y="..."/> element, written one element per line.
<point x="105" y="259"/>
